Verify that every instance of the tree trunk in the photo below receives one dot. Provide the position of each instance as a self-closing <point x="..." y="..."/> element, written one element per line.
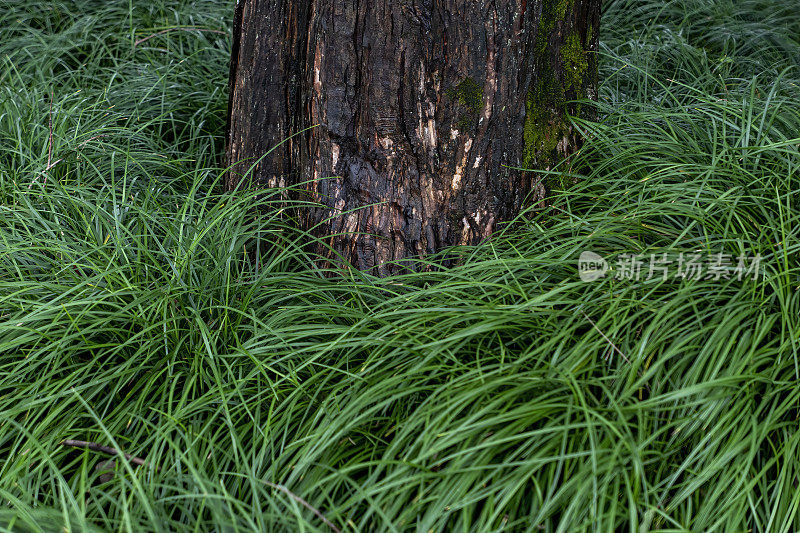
<point x="424" y="110"/>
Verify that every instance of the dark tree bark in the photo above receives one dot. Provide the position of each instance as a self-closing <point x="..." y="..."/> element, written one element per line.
<point x="423" y="108"/>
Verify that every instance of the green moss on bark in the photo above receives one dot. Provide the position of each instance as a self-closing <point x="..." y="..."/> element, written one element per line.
<point x="552" y="12"/>
<point x="576" y="64"/>
<point x="545" y="125"/>
<point x="468" y="94"/>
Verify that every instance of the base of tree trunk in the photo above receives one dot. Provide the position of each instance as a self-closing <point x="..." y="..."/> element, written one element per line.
<point x="424" y="112"/>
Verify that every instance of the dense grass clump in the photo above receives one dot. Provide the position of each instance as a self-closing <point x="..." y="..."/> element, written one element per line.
<point x="143" y="308"/>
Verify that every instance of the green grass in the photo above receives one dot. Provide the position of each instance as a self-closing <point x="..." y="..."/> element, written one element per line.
<point x="141" y="307"/>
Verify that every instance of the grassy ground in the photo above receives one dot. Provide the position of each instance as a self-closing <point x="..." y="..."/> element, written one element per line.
<point x="503" y="394"/>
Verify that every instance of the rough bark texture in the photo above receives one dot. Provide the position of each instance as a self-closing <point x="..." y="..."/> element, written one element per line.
<point x="421" y="108"/>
